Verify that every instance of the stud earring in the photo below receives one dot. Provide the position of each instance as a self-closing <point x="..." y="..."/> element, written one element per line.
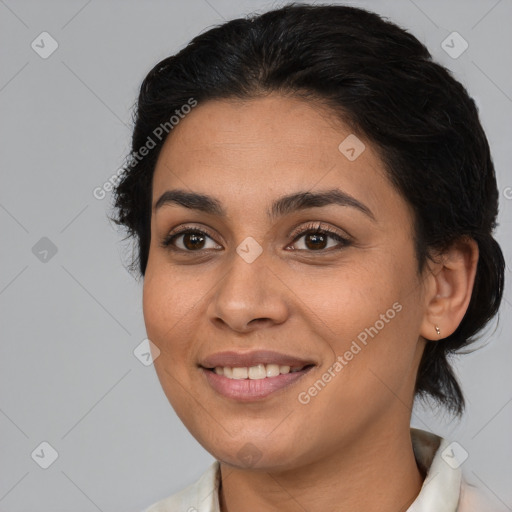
<point x="438" y="331"/>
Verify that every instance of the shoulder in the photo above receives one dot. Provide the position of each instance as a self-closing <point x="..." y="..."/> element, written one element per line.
<point x="447" y="487"/>
<point x="476" y="499"/>
<point x="201" y="496"/>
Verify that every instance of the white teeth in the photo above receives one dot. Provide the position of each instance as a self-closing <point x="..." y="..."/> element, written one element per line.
<point x="257" y="372"/>
<point x="240" y="373"/>
<point x="272" y="370"/>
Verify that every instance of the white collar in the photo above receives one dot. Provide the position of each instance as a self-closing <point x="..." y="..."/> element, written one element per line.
<point x="440" y="491"/>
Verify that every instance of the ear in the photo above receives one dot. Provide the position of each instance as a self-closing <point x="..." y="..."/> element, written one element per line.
<point x="449" y="285"/>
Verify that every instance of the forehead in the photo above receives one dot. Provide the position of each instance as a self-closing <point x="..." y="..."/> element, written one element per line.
<point x="247" y="150"/>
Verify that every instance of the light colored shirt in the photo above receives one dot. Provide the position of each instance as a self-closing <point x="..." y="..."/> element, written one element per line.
<point x="444" y="488"/>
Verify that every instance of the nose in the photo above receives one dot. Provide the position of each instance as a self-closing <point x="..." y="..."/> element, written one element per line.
<point x="248" y="296"/>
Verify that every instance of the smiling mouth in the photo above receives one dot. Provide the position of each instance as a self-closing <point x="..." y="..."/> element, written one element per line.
<point x="253" y="383"/>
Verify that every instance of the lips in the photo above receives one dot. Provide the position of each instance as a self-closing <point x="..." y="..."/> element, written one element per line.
<point x="234" y="359"/>
<point x="245" y="386"/>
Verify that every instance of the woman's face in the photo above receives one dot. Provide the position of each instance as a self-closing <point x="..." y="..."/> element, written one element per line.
<point x="259" y="287"/>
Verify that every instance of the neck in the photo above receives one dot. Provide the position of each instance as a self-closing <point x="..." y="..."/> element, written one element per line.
<point x="376" y="472"/>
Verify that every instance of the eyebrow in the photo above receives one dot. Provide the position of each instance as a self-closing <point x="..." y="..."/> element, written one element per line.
<point x="280" y="207"/>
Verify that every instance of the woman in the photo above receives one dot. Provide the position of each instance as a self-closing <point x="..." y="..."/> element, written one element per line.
<point x="314" y="202"/>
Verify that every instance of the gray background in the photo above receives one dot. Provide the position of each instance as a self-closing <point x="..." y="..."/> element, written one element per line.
<point x="70" y="324"/>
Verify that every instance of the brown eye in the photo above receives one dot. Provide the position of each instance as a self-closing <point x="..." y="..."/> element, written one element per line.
<point x="318" y="239"/>
<point x="315" y="241"/>
<point x="189" y="240"/>
<point x="193" y="241"/>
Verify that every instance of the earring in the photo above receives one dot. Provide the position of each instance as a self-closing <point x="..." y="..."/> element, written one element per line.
<point x="438" y="331"/>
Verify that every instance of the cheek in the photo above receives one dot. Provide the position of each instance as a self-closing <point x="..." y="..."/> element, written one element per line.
<point x="373" y="328"/>
<point x="168" y="304"/>
<point x="168" y="308"/>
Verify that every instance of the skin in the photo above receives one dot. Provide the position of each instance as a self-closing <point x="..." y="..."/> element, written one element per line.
<point x="336" y="452"/>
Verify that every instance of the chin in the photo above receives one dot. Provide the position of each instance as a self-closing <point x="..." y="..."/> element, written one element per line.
<point x="256" y="453"/>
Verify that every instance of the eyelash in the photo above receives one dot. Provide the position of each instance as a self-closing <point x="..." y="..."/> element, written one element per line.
<point x="312" y="228"/>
